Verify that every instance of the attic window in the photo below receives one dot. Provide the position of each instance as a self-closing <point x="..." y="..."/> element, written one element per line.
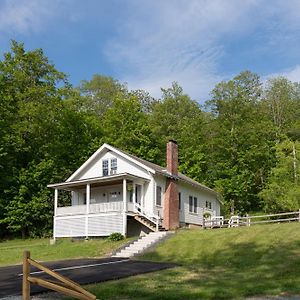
<point x="105" y="167"/>
<point x="113" y="166"/>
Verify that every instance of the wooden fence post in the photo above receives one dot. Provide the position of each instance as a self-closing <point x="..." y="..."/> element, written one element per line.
<point x="299" y="216"/>
<point x="26" y="273"/>
<point x="247" y="220"/>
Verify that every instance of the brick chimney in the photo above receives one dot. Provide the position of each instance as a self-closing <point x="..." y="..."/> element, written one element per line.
<point x="172" y="157"/>
<point x="171" y="200"/>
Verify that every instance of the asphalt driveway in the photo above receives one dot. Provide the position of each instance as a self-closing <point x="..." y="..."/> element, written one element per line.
<point x="83" y="271"/>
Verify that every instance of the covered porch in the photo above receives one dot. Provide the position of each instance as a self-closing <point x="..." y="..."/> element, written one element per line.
<point x="97" y="206"/>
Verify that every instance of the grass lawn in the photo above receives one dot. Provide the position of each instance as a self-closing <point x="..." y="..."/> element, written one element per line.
<point x="218" y="264"/>
<point x="11" y="252"/>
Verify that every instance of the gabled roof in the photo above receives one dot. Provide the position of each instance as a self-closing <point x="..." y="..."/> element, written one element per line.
<point x="163" y="171"/>
<point x="151" y="167"/>
<point x="116" y="150"/>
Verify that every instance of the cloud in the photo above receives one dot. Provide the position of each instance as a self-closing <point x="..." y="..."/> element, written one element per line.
<point x="180" y="41"/>
<point x="292" y="74"/>
<point x="30" y="16"/>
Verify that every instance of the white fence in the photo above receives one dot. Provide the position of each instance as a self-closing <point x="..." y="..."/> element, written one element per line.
<point x="236" y="221"/>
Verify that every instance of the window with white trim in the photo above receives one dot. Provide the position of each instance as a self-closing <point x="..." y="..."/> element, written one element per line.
<point x="113" y="166"/>
<point x="193" y="204"/>
<point x="158" y="195"/>
<point x="190" y="203"/>
<point x="208" y="204"/>
<point x="104" y="167"/>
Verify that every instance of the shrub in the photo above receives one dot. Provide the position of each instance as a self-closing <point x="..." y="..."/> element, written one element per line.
<point x="116" y="236"/>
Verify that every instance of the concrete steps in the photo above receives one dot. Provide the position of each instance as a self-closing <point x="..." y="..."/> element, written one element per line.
<point x="142" y="244"/>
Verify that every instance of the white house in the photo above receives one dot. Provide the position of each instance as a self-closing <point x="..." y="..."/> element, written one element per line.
<point x="114" y="191"/>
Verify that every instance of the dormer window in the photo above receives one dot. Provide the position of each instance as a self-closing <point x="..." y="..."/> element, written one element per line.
<point x="105" y="167"/>
<point x="113" y="166"/>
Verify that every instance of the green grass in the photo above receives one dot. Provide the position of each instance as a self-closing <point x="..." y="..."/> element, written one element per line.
<point x="218" y="264"/>
<point x="11" y="252"/>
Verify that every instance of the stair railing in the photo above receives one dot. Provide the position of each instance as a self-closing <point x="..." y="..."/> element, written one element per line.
<point x="151" y="217"/>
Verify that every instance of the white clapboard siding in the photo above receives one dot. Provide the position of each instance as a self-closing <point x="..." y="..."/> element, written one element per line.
<point x="98" y="225"/>
<point x="192" y="218"/>
<point x="70" y="227"/>
<point x="105" y="225"/>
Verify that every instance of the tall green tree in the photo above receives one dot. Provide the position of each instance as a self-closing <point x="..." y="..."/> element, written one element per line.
<point x="282" y="192"/>
<point x="240" y="142"/>
<point x="179" y="118"/>
<point x="40" y="130"/>
<point x="100" y="92"/>
<point x="125" y="125"/>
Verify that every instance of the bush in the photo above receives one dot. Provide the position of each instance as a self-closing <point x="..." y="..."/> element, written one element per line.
<point x="116" y="236"/>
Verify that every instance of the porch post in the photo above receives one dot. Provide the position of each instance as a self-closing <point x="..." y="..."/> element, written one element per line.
<point x="55" y="201"/>
<point x="55" y="212"/>
<point x="88" y="197"/>
<point x="124" y="207"/>
<point x="142" y="198"/>
<point x="134" y="197"/>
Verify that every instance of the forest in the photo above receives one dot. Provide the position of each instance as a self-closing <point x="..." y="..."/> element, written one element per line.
<point x="244" y="141"/>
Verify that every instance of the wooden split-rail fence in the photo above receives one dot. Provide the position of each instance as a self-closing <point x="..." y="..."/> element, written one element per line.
<point x="63" y="285"/>
<point x="236" y="221"/>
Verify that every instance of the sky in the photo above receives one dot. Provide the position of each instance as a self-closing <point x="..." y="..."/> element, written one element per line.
<point x="150" y="43"/>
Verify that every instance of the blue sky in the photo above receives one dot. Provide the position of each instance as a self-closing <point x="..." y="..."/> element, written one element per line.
<point x="151" y="43"/>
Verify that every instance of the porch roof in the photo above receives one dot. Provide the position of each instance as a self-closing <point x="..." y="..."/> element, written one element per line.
<point x="98" y="181"/>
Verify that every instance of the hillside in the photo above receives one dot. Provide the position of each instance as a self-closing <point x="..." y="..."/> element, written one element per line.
<point x="219" y="264"/>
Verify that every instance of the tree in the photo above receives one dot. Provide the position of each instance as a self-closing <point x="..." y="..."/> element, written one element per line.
<point x="31" y="102"/>
<point x="101" y="91"/>
<point x="179" y="118"/>
<point x="282" y="193"/>
<point x="240" y="142"/>
<point x="125" y="126"/>
<point x="281" y="96"/>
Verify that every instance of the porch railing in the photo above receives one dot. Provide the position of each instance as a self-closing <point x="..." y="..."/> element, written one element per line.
<point x="106" y="207"/>
<point x="94" y="208"/>
<point x="71" y="210"/>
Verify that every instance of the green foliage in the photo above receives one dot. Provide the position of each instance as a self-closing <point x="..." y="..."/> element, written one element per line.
<point x="241" y="142"/>
<point x="115" y="236"/>
<point x="179" y="118"/>
<point x="39" y="129"/>
<point x="282" y="193"/>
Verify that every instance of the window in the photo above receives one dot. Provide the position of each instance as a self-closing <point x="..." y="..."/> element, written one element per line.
<point x="179" y="200"/>
<point x="113" y="166"/>
<point x="104" y="167"/>
<point x="158" y="196"/>
<point x="190" y="203"/>
<point x="208" y="204"/>
<point x="193" y="204"/>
